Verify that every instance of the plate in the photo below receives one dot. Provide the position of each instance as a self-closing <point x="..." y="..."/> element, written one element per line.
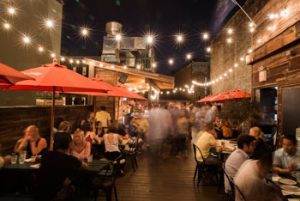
<point x="289" y="188"/>
<point x="287" y="181"/>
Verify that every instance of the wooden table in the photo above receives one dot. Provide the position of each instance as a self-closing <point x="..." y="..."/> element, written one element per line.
<point x="277" y="183"/>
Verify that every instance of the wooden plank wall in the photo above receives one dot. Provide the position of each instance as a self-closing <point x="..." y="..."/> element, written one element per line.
<point x="13" y="121"/>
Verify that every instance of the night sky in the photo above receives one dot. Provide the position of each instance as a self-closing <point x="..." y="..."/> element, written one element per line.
<point x="164" y="18"/>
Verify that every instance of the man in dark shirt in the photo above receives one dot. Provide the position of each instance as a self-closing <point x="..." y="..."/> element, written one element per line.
<point x="56" y="168"/>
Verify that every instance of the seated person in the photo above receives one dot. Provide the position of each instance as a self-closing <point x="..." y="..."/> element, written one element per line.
<point x="112" y="140"/>
<point x="285" y="158"/>
<point x="246" y="145"/>
<point x="56" y="167"/>
<point x="79" y="147"/>
<point x="205" y="142"/>
<point x="32" y="142"/>
<point x="63" y="130"/>
<point x="251" y="183"/>
<point x="218" y="127"/>
<point x="92" y="138"/>
<point x="4" y="160"/>
<point x="260" y="144"/>
<point x="226" y="130"/>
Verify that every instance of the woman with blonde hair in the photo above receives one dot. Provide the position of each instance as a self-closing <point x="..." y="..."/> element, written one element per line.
<point x="260" y="145"/>
<point x="79" y="147"/>
<point x="32" y="142"/>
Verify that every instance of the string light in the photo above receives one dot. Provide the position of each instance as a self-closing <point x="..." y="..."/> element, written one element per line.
<point x="125" y="67"/>
<point x="118" y="37"/>
<point x="11" y="10"/>
<point x="40" y="49"/>
<point x="208" y="49"/>
<point x="77" y="61"/>
<point x="26" y="39"/>
<point x="52" y="55"/>
<point x="171" y="61"/>
<point x="138" y="66"/>
<point x="84" y="32"/>
<point x="229" y="40"/>
<point x="49" y="23"/>
<point x="205" y="36"/>
<point x="229" y="31"/>
<point x="71" y="61"/>
<point x="63" y="59"/>
<point x="149" y="39"/>
<point x="6" y="26"/>
<point x="179" y="38"/>
<point x="154" y="65"/>
<point x="188" y="56"/>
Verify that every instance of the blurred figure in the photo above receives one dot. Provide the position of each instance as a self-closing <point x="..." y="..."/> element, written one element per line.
<point x="104" y="117"/>
<point x="246" y="145"/>
<point x="4" y="160"/>
<point x="218" y="127"/>
<point x="160" y="127"/>
<point x="99" y="129"/>
<point x="79" y="147"/>
<point x="251" y="180"/>
<point x="32" y="142"/>
<point x="181" y="133"/>
<point x="286" y="159"/>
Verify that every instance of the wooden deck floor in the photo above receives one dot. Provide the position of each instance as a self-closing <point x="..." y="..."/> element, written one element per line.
<point x="164" y="180"/>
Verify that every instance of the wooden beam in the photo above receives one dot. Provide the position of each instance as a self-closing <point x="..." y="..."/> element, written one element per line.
<point x="129" y="71"/>
<point x="287" y="37"/>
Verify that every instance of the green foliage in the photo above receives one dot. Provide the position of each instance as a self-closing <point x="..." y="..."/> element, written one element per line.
<point x="239" y="111"/>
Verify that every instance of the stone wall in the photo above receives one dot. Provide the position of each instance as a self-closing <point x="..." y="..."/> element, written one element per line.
<point x="13" y="121"/>
<point x="224" y="56"/>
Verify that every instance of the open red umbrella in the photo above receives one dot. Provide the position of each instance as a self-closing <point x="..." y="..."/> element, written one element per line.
<point x="205" y="99"/>
<point x="9" y="75"/>
<point x="55" y="77"/>
<point x="230" y="95"/>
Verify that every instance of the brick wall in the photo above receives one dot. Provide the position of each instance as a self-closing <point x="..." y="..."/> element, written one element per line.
<point x="224" y="56"/>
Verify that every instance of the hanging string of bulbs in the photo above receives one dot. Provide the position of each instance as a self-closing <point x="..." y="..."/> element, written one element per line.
<point x="150" y="40"/>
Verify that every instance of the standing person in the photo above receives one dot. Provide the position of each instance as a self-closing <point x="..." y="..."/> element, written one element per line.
<point x="181" y="134"/>
<point x="32" y="142"/>
<point x="246" y="145"/>
<point x="286" y="159"/>
<point x="88" y="124"/>
<point x="104" y="117"/>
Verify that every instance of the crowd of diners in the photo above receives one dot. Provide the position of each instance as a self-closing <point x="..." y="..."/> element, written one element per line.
<point x="250" y="165"/>
<point x="166" y="131"/>
<point x="72" y="150"/>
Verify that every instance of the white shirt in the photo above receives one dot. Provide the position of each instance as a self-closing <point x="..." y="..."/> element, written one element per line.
<point x="283" y="159"/>
<point x="233" y="164"/>
<point x="111" y="145"/>
<point x="252" y="186"/>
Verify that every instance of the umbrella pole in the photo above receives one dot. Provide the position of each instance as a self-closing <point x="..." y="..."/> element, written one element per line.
<point x="52" y="120"/>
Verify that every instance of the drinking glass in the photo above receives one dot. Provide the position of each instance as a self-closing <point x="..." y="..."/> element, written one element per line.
<point x="22" y="157"/>
<point x="14" y="158"/>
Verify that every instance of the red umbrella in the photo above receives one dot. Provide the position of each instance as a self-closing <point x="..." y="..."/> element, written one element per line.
<point x="55" y="77"/>
<point x="230" y="95"/>
<point x="206" y="99"/>
<point x="9" y="75"/>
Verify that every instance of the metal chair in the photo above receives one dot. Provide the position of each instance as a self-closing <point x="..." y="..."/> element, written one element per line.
<point x="107" y="181"/>
<point x="199" y="164"/>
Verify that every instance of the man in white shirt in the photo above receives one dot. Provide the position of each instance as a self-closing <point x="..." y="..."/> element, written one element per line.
<point x="286" y="159"/>
<point x="246" y="145"/>
<point x="250" y="180"/>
